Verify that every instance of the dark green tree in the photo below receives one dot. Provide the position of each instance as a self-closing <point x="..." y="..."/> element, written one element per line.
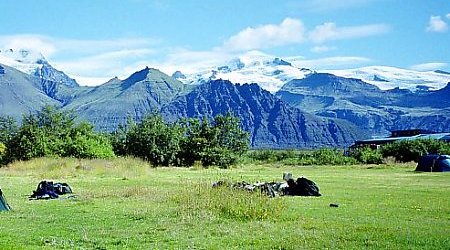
<point x="154" y="140"/>
<point x="195" y="142"/>
<point x="226" y="141"/>
<point x="86" y="143"/>
<point x="51" y="132"/>
<point x="8" y="130"/>
<point x="412" y="150"/>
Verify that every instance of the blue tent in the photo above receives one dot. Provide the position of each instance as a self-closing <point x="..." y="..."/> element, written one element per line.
<point x="3" y="204"/>
<point x="434" y="163"/>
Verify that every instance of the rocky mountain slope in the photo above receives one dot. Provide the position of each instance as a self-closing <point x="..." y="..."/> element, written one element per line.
<point x="365" y="105"/>
<point x="271" y="122"/>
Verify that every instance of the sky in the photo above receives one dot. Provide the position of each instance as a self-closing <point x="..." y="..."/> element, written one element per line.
<point x="94" y="41"/>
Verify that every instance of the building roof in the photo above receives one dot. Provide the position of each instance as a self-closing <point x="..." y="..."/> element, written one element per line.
<point x="378" y="141"/>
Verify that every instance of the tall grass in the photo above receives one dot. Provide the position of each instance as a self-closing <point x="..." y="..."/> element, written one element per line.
<point x="46" y="167"/>
<point x="227" y="202"/>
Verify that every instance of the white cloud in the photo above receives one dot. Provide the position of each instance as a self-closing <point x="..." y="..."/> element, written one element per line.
<point x="448" y="15"/>
<point x="436" y="24"/>
<point x="290" y="31"/>
<point x="33" y="43"/>
<point x="330" y="31"/>
<point x="101" y="64"/>
<point x="429" y="66"/>
<point x="322" y="49"/>
<point x="189" y="61"/>
<point x="329" y="62"/>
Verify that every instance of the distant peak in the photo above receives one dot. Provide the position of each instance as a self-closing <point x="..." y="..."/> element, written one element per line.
<point x="138" y="76"/>
<point x="441" y="72"/>
<point x="178" y="75"/>
<point x="278" y="61"/>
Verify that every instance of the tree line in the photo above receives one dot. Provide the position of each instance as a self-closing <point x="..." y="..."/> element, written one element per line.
<point x="220" y="142"/>
<point x="52" y="132"/>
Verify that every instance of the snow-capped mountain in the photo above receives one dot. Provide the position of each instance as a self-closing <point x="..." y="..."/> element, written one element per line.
<point x="269" y="72"/>
<point x="391" y="77"/>
<point x="23" y="60"/>
<point x="35" y="64"/>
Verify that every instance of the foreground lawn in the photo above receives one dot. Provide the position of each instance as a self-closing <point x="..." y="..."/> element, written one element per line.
<point x="124" y="203"/>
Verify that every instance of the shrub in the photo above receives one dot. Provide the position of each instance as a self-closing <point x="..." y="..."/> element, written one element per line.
<point x="53" y="133"/>
<point x="2" y="151"/>
<point x="83" y="142"/>
<point x="367" y="155"/>
<point x="327" y="156"/>
<point x="154" y="140"/>
<point x="220" y="143"/>
<point x="323" y="156"/>
<point x="412" y="150"/>
<point x="271" y="156"/>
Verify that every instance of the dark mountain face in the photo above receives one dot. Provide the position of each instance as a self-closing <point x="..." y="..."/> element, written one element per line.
<point x="56" y="84"/>
<point x="19" y="93"/>
<point x="366" y="106"/>
<point x="270" y="122"/>
<point x="437" y="99"/>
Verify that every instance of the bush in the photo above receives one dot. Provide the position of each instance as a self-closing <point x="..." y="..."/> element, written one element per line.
<point x="323" y="156"/>
<point x="367" y="155"/>
<point x="327" y="156"/>
<point x="154" y="140"/>
<point x="412" y="150"/>
<point x="88" y="144"/>
<point x="53" y="133"/>
<point x="271" y="156"/>
<point x="2" y="151"/>
<point x="185" y="142"/>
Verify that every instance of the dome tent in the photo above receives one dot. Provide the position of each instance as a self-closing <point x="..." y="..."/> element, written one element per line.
<point x="3" y="204"/>
<point x="434" y="163"/>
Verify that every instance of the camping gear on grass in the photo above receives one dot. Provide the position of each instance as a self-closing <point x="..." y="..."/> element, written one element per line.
<point x="434" y="163"/>
<point x="300" y="187"/>
<point x="3" y="204"/>
<point x="50" y="190"/>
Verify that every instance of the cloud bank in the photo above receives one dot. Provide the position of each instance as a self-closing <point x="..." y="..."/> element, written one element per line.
<point x="429" y="66"/>
<point x="289" y="31"/>
<point x="436" y="24"/>
<point x="330" y="31"/>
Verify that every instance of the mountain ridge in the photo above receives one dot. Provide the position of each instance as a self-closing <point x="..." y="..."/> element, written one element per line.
<point x="310" y="109"/>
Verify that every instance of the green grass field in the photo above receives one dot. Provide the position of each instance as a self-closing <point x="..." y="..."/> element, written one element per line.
<point x="124" y="203"/>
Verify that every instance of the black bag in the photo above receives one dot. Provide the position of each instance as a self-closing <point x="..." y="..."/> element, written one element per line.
<point x="302" y="187"/>
<point x="50" y="190"/>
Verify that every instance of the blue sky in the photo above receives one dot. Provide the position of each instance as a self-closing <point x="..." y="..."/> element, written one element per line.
<point x="95" y="40"/>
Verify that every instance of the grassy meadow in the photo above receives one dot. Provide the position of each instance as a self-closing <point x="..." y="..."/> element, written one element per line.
<point x="126" y="204"/>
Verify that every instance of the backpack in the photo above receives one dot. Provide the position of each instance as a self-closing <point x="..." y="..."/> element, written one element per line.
<point x="302" y="187"/>
<point x="50" y="190"/>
